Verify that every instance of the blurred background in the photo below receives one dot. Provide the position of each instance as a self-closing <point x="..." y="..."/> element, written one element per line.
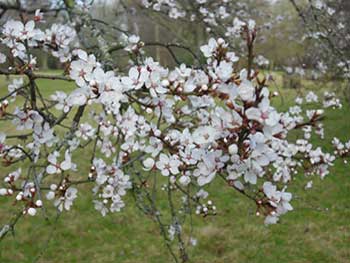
<point x="281" y="35"/>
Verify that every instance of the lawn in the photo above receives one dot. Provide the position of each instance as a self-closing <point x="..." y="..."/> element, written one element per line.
<point x="318" y="230"/>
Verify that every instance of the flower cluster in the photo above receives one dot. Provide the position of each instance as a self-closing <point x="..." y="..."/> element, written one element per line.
<point x="278" y="202"/>
<point x="111" y="186"/>
<point x="181" y="128"/>
<point x="341" y="149"/>
<point x="21" y="35"/>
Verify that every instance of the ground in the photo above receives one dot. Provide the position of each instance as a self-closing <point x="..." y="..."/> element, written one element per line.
<point x="318" y="230"/>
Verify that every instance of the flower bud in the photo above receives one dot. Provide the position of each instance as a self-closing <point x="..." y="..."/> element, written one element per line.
<point x="204" y="87"/>
<point x="165" y="82"/>
<point x="148" y="164"/>
<point x="19" y="197"/>
<point x="39" y="203"/>
<point x="157" y="133"/>
<point x="319" y="112"/>
<point x="221" y="41"/>
<point x="233" y="149"/>
<point x="32" y="211"/>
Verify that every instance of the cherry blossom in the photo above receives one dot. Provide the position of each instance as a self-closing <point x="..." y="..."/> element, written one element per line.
<point x="55" y="167"/>
<point x="192" y="125"/>
<point x="66" y="201"/>
<point x="168" y="164"/>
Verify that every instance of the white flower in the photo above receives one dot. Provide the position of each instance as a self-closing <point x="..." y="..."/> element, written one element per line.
<point x="13" y="176"/>
<point x="205" y="172"/>
<point x="224" y="70"/>
<point x="202" y="194"/>
<point x="78" y="97"/>
<point x="85" y="131"/>
<point x="277" y="199"/>
<point x="100" y="206"/>
<point x="311" y="97"/>
<point x="61" y="99"/>
<point x="55" y="167"/>
<point x="204" y="135"/>
<point x="168" y="165"/>
<point x="136" y="78"/>
<point x="133" y="40"/>
<point x="62" y="36"/>
<point x="236" y="27"/>
<point x="154" y="82"/>
<point x="190" y="155"/>
<point x="246" y="91"/>
<point x="31" y="211"/>
<point x="81" y="71"/>
<point x="184" y="180"/>
<point x="15" y="85"/>
<point x="117" y="203"/>
<point x="108" y="191"/>
<point x="43" y="134"/>
<point x="264" y="114"/>
<point x="113" y="183"/>
<point x="26" y="119"/>
<point x="209" y="49"/>
<point x="148" y="164"/>
<point x="66" y="201"/>
<point x="17" y="30"/>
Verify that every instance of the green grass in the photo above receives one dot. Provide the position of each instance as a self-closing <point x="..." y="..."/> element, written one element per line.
<point x="318" y="230"/>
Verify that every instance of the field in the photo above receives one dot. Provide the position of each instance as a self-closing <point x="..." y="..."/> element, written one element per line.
<point x="317" y="231"/>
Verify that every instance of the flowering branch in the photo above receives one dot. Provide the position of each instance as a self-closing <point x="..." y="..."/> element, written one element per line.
<point x="153" y="132"/>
